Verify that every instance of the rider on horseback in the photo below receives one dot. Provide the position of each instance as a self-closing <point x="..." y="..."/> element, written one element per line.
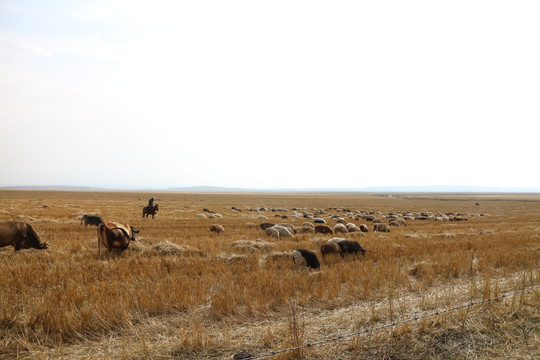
<point x="151" y="202"/>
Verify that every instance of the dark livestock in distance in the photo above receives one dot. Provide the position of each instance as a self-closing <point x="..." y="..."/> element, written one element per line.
<point x="20" y="235"/>
<point x="92" y="220"/>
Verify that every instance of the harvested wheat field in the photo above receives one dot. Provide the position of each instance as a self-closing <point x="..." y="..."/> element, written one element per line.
<point x="181" y="291"/>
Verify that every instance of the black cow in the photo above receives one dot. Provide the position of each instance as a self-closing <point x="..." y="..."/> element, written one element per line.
<point x="92" y="220"/>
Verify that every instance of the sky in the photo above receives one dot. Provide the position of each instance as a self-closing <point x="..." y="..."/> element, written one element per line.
<point x="269" y="94"/>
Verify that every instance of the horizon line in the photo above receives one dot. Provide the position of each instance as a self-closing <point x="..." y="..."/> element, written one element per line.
<point x="367" y="189"/>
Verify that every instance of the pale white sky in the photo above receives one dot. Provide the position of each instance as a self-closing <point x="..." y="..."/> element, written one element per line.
<point x="269" y="94"/>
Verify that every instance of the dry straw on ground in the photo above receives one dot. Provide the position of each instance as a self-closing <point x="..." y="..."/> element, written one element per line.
<point x="183" y="292"/>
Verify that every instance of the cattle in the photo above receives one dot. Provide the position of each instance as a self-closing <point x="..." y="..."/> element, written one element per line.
<point x="266" y="225"/>
<point x="364" y="228"/>
<point x="324" y="229"/>
<point x="350" y="247"/>
<point x="218" y="229"/>
<point x="330" y="248"/>
<point x="303" y="257"/>
<point x="20" y="235"/>
<point x="92" y="220"/>
<point x="381" y="228"/>
<point x="115" y="235"/>
<point x="340" y="228"/>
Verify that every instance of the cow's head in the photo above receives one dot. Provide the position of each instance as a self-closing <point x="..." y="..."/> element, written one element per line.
<point x="33" y="243"/>
<point x="134" y="231"/>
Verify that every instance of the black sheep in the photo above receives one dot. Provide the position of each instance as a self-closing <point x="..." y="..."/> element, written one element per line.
<point x="350" y="247"/>
<point x="306" y="257"/>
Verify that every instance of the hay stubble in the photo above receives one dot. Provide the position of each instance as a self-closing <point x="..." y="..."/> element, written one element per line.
<point x="181" y="291"/>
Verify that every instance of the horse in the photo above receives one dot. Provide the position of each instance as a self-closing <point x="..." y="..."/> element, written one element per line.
<point x="150" y="210"/>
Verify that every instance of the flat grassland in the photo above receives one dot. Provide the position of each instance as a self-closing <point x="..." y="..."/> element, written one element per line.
<point x="182" y="292"/>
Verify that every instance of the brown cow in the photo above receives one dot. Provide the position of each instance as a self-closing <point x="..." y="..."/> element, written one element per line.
<point x="20" y="235"/>
<point x="115" y="235"/>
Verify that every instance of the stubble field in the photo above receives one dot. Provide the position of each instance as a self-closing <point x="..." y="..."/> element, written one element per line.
<point x="182" y="292"/>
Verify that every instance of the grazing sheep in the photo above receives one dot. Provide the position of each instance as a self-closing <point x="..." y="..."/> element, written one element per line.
<point x="340" y="228"/>
<point x="381" y="228"/>
<point x="202" y="216"/>
<point x="350" y="247"/>
<point x="330" y="248"/>
<point x="319" y="220"/>
<point x="305" y="229"/>
<point x="394" y="223"/>
<point x="218" y="229"/>
<point x="271" y="231"/>
<point x="307" y="223"/>
<point x="291" y="227"/>
<point x="250" y="225"/>
<point x="281" y="231"/>
<point x="323" y="229"/>
<point x="335" y="240"/>
<point x="377" y="221"/>
<point x="364" y="228"/>
<point x="401" y="222"/>
<point x="352" y="227"/>
<point x="303" y="257"/>
<point x="266" y="225"/>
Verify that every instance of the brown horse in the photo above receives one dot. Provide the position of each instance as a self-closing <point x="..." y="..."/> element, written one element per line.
<point x="150" y="210"/>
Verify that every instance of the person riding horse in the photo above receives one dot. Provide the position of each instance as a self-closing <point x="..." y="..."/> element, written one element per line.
<point x="151" y="208"/>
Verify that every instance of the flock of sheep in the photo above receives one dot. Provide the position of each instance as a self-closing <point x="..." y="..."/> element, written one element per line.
<point x="334" y="246"/>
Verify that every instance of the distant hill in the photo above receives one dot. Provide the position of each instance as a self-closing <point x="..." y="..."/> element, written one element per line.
<point x="207" y="189"/>
<point x="452" y="189"/>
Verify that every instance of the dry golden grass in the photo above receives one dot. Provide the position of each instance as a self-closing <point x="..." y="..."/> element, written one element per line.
<point x="181" y="291"/>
